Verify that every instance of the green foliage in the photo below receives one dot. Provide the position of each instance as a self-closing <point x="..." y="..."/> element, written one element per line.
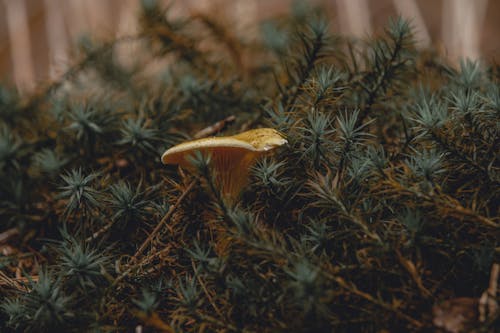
<point x="304" y="284"/>
<point x="44" y="308"/>
<point x="80" y="264"/>
<point x="9" y="149"/>
<point x="383" y="202"/>
<point x="317" y="132"/>
<point x="274" y="39"/>
<point x="188" y="294"/>
<point x="426" y="164"/>
<point x="49" y="162"/>
<point x="79" y="192"/>
<point x="413" y="222"/>
<point x="430" y="114"/>
<point x="148" y="301"/>
<point x="127" y="204"/>
<point x="136" y="134"/>
<point x="319" y="235"/>
<point x="90" y="122"/>
<point x="270" y="176"/>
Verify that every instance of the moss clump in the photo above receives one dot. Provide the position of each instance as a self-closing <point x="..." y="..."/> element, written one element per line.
<point x="383" y="203"/>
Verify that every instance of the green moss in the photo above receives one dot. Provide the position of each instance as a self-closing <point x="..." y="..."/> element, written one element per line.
<point x="384" y="202"/>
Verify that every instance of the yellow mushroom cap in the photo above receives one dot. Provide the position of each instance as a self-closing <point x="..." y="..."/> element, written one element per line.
<point x="231" y="156"/>
<point x="257" y="140"/>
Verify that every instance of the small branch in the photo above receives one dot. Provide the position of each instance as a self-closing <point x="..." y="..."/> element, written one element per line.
<point x="163" y="221"/>
<point x="373" y="93"/>
<point x="453" y="205"/>
<point x="215" y="128"/>
<point x="410" y="9"/>
<point x="155" y="321"/>
<point x="7" y="234"/>
<point x="412" y="270"/>
<point x="313" y="55"/>
<point x="100" y="231"/>
<point x="138" y="264"/>
<point x="444" y="143"/>
<point x="203" y="286"/>
<point x="342" y="283"/>
<point x="212" y="320"/>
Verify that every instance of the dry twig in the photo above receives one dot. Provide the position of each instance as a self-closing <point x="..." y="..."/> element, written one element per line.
<point x="215" y="128"/>
<point x="487" y="303"/>
<point x="163" y="221"/>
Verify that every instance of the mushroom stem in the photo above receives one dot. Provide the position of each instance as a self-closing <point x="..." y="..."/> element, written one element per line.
<point x="231" y="173"/>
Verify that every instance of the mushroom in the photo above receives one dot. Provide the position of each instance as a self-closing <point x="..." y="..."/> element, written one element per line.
<point x="231" y="157"/>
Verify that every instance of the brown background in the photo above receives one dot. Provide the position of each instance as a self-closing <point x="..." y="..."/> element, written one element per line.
<point x="105" y="18"/>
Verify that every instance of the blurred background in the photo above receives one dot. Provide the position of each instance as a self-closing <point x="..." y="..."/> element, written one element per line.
<point x="36" y="36"/>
